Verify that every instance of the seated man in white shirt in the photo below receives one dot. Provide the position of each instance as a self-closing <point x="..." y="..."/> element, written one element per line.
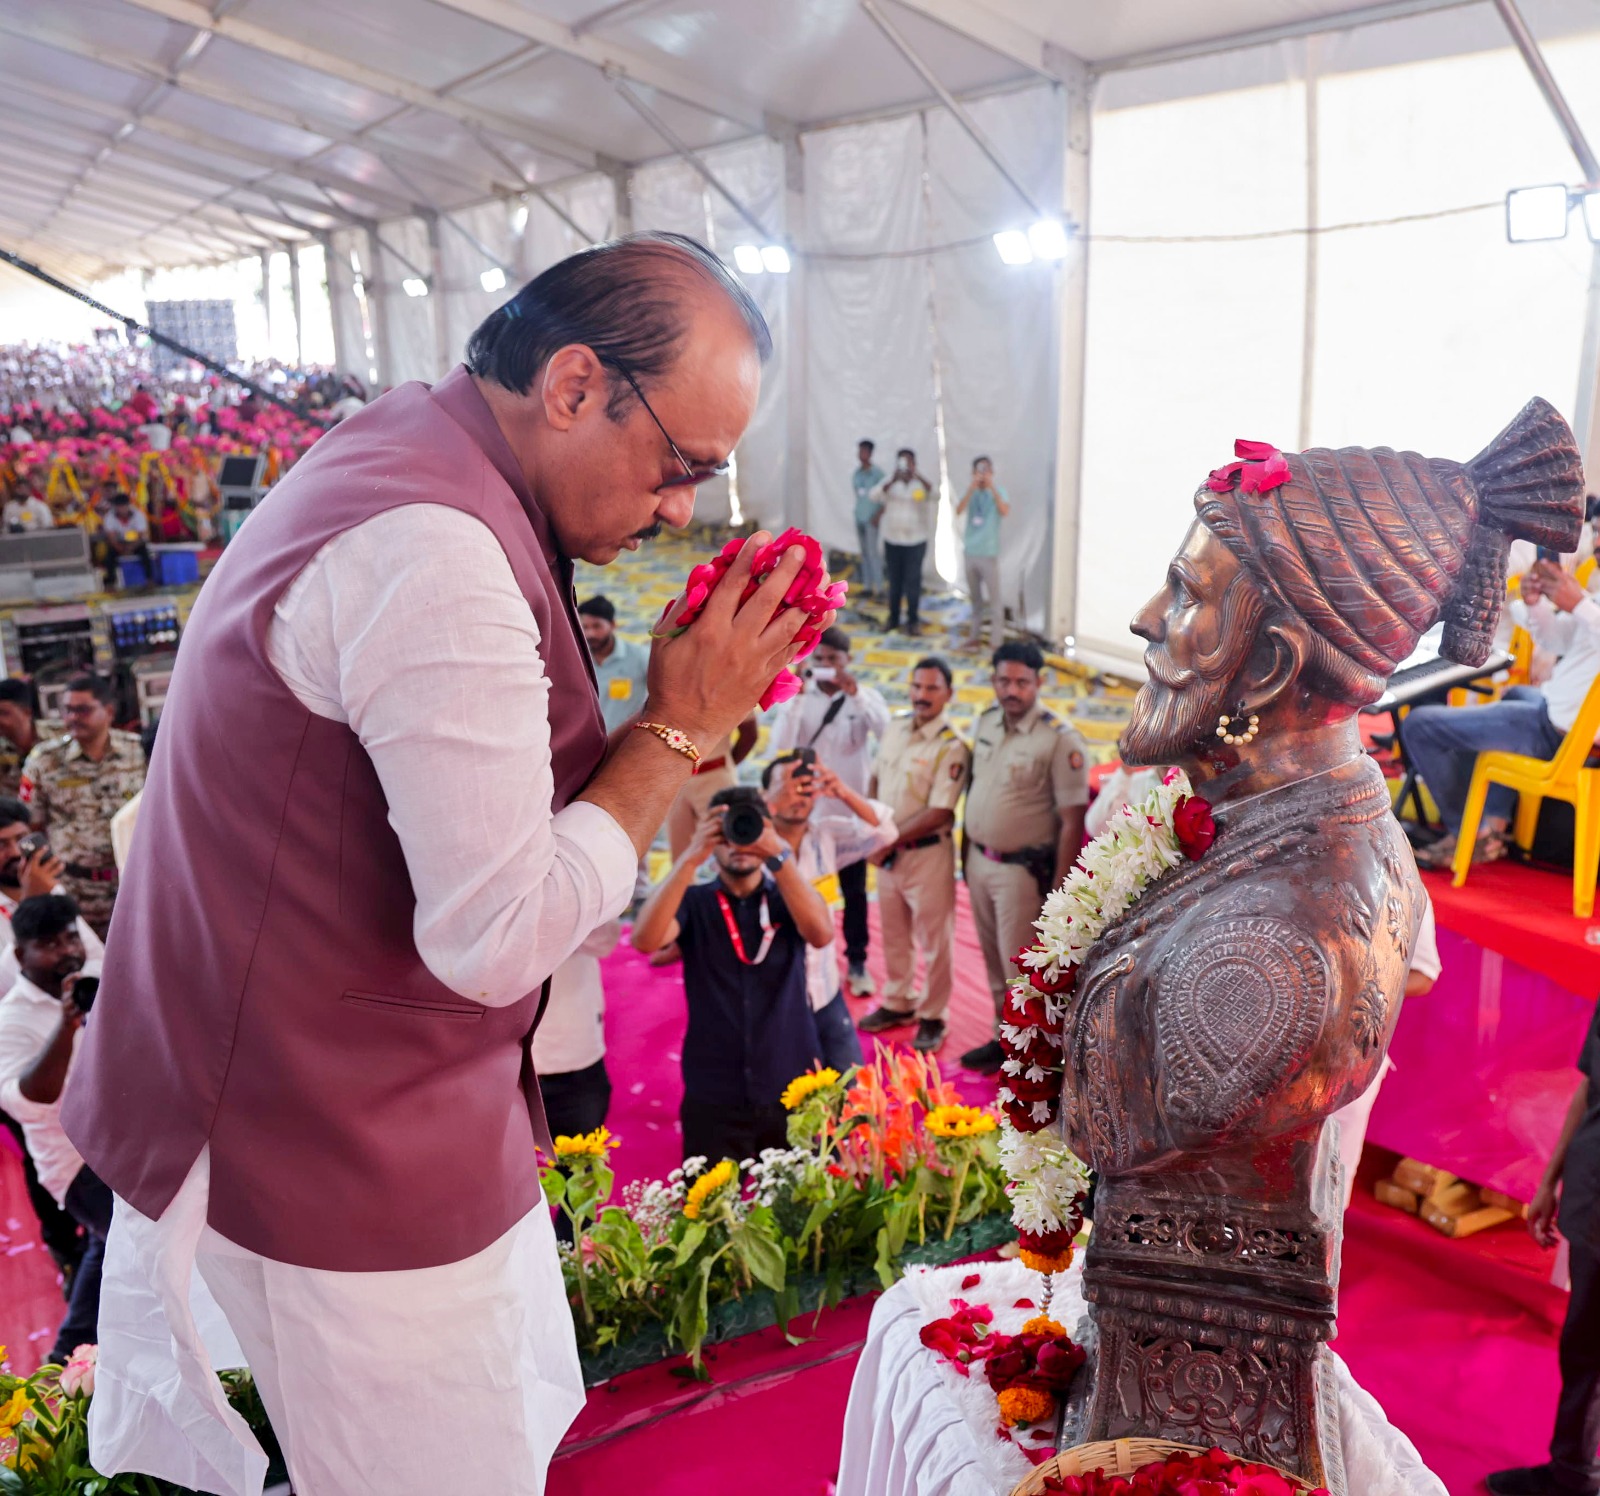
<point x="127" y="536"/>
<point x="25" y="512"/>
<point x="1443" y="742"/>
<point x="40" y="1020"/>
<point x="824" y="842"/>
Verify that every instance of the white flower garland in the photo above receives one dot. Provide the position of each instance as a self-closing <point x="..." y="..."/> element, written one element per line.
<point x="1139" y="847"/>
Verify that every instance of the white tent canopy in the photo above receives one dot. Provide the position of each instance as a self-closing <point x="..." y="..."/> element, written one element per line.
<point x="1285" y="217"/>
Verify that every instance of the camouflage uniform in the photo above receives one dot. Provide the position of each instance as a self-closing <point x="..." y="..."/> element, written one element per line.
<point x="74" y="798"/>
<point x="11" y="757"/>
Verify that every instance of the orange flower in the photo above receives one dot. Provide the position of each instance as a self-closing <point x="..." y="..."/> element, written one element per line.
<point x="1025" y="1405"/>
<point x="1042" y="1262"/>
<point x="1042" y="1324"/>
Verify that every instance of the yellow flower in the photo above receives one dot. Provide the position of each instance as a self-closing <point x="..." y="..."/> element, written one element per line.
<point x="1046" y="1262"/>
<point x="1042" y="1324"/>
<point x="958" y="1121"/>
<point x="803" y="1086"/>
<point x="13" y="1412"/>
<point x="706" y="1186"/>
<point x="1025" y="1405"/>
<point x="594" y="1144"/>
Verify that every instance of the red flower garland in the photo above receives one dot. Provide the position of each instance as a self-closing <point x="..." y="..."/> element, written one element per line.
<point x="1213" y="1473"/>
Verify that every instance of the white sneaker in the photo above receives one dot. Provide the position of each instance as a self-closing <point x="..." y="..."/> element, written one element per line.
<point x="861" y="983"/>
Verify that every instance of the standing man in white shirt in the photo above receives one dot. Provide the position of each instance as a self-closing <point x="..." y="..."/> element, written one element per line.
<point x="569" y="1049"/>
<point x="327" y="1103"/>
<point x="909" y="503"/>
<point x="41" y="1017"/>
<point x="826" y="844"/>
<point x="621" y="667"/>
<point x="841" y="719"/>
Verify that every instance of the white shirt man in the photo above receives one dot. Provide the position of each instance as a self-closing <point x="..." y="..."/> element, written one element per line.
<point x="29" y="1017"/>
<point x="28" y="515"/>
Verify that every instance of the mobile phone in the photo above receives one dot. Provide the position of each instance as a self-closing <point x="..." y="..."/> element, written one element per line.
<point x="822" y="672"/>
<point x="1546" y="554"/>
<point x="34" y="841"/>
<point x="84" y="991"/>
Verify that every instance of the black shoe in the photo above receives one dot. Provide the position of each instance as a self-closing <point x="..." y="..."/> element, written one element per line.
<point x="1533" y="1480"/>
<point x="914" y="629"/>
<point x="930" y="1035"/>
<point x="881" y="1018"/>
<point x="986" y="1059"/>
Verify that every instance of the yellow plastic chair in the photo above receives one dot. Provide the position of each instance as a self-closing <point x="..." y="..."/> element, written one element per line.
<point x="1535" y="780"/>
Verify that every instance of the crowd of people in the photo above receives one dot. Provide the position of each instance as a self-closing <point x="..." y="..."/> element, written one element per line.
<point x="95" y="436"/>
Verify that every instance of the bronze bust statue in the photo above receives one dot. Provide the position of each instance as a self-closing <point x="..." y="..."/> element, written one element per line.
<point x="1251" y="993"/>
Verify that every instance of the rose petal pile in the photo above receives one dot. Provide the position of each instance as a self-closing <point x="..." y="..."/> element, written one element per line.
<point x="1143" y="843"/>
<point x="1257" y="467"/>
<point x="1029" y="1372"/>
<point x="1212" y="1473"/>
<point x="810" y="592"/>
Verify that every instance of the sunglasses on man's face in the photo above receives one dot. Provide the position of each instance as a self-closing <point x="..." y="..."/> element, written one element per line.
<point x="692" y="476"/>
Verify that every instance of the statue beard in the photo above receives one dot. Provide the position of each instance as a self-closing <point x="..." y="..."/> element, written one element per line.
<point x="1175" y="712"/>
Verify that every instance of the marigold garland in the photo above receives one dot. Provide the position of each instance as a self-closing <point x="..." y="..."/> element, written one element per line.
<point x="953" y="1121"/>
<point x="1025" y="1405"/>
<point x="714" y="1179"/>
<point x="803" y="1087"/>
<point x="594" y="1144"/>
<point x="1143" y="843"/>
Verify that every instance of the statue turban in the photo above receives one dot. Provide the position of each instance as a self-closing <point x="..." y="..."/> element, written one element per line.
<point x="1371" y="548"/>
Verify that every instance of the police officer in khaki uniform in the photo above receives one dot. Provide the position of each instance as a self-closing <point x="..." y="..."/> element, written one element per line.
<point x="74" y="785"/>
<point x="1024" y="822"/>
<point x="921" y="772"/>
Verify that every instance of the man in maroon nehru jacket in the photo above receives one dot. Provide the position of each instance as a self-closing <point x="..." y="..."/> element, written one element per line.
<point x="383" y="810"/>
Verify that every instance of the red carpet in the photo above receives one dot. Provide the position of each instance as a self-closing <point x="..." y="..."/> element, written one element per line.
<point x="1525" y="914"/>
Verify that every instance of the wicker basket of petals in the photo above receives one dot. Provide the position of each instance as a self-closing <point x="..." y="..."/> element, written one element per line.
<point x="1121" y="1457"/>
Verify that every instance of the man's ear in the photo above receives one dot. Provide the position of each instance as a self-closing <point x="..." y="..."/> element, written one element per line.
<point x="573" y="377"/>
<point x="1275" y="665"/>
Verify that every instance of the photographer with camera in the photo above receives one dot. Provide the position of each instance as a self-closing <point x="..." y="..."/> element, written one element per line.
<point x="826" y="842"/>
<point x="41" y="1018"/>
<point x="28" y="867"/>
<point x="744" y="938"/>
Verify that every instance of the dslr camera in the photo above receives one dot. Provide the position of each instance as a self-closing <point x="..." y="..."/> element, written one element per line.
<point x="744" y="815"/>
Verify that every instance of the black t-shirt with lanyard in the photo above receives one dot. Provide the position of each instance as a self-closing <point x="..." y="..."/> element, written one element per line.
<point x="750" y="1026"/>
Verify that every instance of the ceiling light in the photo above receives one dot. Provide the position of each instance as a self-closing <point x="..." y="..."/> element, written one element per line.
<point x="775" y="257"/>
<point x="1535" y="213"/>
<point x="748" y="258"/>
<point x="414" y="285"/>
<point x="1591" y="214"/>
<point x="1014" y="247"/>
<point x="493" y="279"/>
<point x="1048" y="239"/>
<point x="519" y="218"/>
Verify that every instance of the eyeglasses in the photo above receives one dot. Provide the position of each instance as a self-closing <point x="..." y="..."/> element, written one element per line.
<point x="691" y="474"/>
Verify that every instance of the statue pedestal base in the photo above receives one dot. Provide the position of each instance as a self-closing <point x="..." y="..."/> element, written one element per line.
<point x="1211" y="1316"/>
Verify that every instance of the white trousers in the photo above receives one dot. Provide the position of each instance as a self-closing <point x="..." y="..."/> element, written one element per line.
<point x="443" y="1381"/>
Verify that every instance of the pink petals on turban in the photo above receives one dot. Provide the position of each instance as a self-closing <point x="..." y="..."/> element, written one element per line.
<point x="1257" y="467"/>
<point x="810" y="591"/>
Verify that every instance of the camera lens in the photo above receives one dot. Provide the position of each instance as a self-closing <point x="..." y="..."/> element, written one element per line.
<point x="742" y="824"/>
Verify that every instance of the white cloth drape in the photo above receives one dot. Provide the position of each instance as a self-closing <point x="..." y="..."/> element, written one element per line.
<point x="995" y="324"/>
<point x="914" y="1428"/>
<point x="414" y="351"/>
<point x="869" y="350"/>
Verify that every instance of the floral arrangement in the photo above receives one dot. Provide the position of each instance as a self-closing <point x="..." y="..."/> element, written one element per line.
<point x="44" y="1432"/>
<point x="1047" y="1182"/>
<point x="1029" y="1372"/>
<point x="882" y="1159"/>
<point x="810" y="591"/>
<point x="1257" y="467"/>
<point x="1210" y="1473"/>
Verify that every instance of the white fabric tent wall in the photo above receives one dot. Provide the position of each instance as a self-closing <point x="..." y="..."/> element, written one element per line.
<point x="414" y="351"/>
<point x="357" y="354"/>
<point x="1427" y="335"/>
<point x="466" y="303"/>
<point x="995" y="324"/>
<point x="869" y="332"/>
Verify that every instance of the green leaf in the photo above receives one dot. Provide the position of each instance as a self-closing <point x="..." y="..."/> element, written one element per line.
<point x="554" y="1183"/>
<point x="761" y="1255"/>
<point x="689" y="1243"/>
<point x="885" y="1263"/>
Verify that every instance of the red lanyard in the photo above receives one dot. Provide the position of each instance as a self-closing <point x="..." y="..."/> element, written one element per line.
<point x="768" y="930"/>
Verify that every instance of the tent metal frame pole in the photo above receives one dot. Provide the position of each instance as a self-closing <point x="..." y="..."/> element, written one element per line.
<point x="688" y="153"/>
<point x="1072" y="329"/>
<point x="296" y="306"/>
<point x="1545" y="79"/>
<point x="1585" y="416"/>
<point x="342" y="362"/>
<point x="950" y="102"/>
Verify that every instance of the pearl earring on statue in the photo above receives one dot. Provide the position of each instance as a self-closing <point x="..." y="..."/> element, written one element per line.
<point x="1228" y="728"/>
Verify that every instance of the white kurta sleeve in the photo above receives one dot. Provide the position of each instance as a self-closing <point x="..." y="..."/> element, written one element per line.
<point x="411" y="628"/>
